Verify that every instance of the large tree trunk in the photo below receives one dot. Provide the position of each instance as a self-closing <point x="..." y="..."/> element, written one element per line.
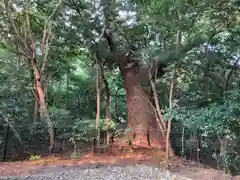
<point x="141" y="115"/>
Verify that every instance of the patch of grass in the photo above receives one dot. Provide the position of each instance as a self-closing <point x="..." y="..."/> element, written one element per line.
<point x="35" y="157"/>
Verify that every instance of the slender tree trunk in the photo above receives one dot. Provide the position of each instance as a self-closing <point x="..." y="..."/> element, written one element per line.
<point x="6" y="143"/>
<point x="183" y="135"/>
<point x="67" y="87"/>
<point x="165" y="130"/>
<point x="198" y="150"/>
<point x="98" y="110"/>
<point x="158" y="113"/>
<point x="168" y="153"/>
<point x="36" y="114"/>
<point x="169" y="150"/>
<point x="36" y="110"/>
<point x="98" y="105"/>
<point x="108" y="115"/>
<point x="44" y="114"/>
<point x="161" y="122"/>
<point x="115" y="106"/>
<point x="35" y="93"/>
<point x="108" y="95"/>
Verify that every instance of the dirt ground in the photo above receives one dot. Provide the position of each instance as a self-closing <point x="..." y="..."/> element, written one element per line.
<point x="140" y="156"/>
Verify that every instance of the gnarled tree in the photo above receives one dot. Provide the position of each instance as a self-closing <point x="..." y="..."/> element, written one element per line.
<point x="123" y="46"/>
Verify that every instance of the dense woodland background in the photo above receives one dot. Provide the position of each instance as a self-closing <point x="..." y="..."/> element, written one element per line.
<point x="60" y="59"/>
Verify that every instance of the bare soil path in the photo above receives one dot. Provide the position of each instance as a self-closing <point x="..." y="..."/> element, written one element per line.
<point x="140" y="156"/>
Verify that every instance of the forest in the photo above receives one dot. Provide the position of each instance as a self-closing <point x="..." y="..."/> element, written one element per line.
<point x="166" y="72"/>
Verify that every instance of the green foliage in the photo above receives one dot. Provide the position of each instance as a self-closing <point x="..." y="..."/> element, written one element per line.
<point x="228" y="160"/>
<point x="206" y="90"/>
<point x="215" y="120"/>
<point x="35" y="157"/>
<point x="103" y="124"/>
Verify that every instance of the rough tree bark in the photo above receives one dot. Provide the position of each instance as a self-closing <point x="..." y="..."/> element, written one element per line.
<point x="141" y="115"/>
